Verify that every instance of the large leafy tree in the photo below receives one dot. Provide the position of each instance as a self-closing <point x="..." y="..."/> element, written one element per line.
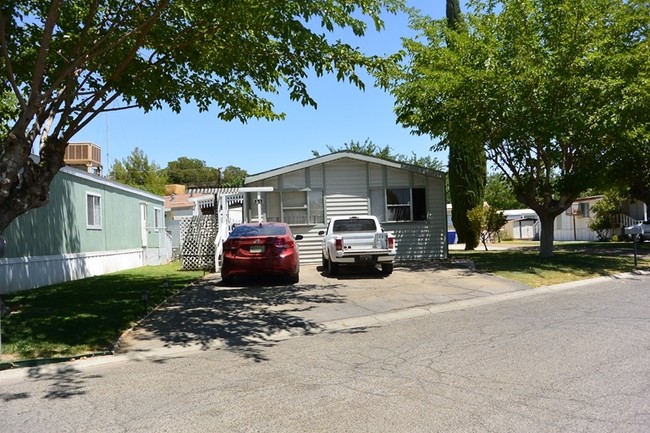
<point x="386" y="152"/>
<point x="467" y="163"/>
<point x="366" y="148"/>
<point x="65" y="62"/>
<point x="629" y="166"/>
<point x="195" y="172"/>
<point x="191" y="171"/>
<point x="544" y="85"/>
<point x="136" y="170"/>
<point x="499" y="194"/>
<point x="233" y="176"/>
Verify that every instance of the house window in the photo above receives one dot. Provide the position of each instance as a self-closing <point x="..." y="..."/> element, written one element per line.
<point x="294" y="207"/>
<point x="93" y="211"/>
<point x="584" y="210"/>
<point x="303" y="207"/>
<point x="297" y="207"/>
<point x="271" y="202"/>
<point x="316" y="207"/>
<point x="406" y="204"/>
<point x="157" y="215"/>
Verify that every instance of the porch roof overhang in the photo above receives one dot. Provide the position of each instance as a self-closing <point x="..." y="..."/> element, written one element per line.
<point x="208" y="201"/>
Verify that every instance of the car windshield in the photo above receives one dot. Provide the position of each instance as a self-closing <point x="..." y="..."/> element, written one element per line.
<point x="258" y="230"/>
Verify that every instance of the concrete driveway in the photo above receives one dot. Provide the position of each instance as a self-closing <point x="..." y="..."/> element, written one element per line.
<point x="210" y="315"/>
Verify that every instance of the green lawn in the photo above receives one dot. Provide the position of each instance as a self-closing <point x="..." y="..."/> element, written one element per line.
<point x="83" y="316"/>
<point x="572" y="261"/>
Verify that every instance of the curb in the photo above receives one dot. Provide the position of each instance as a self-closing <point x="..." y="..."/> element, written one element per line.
<point x="44" y="361"/>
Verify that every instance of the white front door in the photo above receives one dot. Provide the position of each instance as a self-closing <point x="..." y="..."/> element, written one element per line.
<point x="143" y="223"/>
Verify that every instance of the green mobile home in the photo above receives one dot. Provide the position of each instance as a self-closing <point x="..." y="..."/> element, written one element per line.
<point x="90" y="226"/>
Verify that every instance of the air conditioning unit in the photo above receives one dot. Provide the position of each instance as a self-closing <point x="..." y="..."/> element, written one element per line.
<point x="86" y="156"/>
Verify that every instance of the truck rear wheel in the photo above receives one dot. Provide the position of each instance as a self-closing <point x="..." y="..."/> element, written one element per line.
<point x="332" y="268"/>
<point x="387" y="268"/>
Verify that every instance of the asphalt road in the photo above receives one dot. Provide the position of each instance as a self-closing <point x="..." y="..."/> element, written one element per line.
<point x="563" y="360"/>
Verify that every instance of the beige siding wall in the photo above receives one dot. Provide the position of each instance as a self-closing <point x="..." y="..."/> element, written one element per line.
<point x="346" y="191"/>
<point x="341" y="204"/>
<point x="424" y="240"/>
<point x="347" y="178"/>
<point x="294" y="180"/>
<point x="419" y="180"/>
<point x="376" y="176"/>
<point x="418" y="240"/>
<point x="311" y="244"/>
<point x="316" y="177"/>
<point x="397" y="178"/>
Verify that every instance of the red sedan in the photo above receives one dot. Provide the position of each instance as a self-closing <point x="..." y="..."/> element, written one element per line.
<point x="261" y="249"/>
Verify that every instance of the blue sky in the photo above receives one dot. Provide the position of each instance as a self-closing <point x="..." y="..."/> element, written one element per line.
<point x="344" y="113"/>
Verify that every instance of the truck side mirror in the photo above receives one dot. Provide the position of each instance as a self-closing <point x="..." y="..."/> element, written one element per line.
<point x="321" y="232"/>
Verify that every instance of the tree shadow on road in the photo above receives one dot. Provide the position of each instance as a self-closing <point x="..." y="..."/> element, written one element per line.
<point x="243" y="319"/>
<point x="64" y="381"/>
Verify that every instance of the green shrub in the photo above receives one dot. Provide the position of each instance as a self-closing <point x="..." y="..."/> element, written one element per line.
<point x="605" y="210"/>
<point x="487" y="222"/>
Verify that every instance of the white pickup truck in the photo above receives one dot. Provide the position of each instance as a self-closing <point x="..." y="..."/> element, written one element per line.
<point x="357" y="241"/>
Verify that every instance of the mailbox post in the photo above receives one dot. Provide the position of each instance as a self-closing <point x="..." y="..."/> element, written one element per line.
<point x="145" y="300"/>
<point x="635" y="231"/>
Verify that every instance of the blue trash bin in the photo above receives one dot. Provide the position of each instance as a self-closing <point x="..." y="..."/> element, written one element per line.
<point x="451" y="237"/>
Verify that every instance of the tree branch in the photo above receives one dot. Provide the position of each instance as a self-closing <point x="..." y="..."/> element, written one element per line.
<point x="8" y="62"/>
<point x="39" y="67"/>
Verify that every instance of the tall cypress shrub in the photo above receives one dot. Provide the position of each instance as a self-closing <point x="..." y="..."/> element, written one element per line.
<point x="467" y="164"/>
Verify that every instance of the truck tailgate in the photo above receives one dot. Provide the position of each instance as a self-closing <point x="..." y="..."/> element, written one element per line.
<point x="367" y="243"/>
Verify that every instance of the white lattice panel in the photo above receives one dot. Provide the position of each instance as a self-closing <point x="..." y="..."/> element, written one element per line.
<point x="197" y="242"/>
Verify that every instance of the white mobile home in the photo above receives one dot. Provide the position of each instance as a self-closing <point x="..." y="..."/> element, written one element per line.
<point x="409" y="200"/>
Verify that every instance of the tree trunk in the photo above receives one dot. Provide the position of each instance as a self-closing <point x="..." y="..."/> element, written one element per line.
<point x="546" y="237"/>
<point x="25" y="184"/>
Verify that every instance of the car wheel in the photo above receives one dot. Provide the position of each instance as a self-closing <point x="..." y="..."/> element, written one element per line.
<point x="332" y="268"/>
<point x="293" y="279"/>
<point x="324" y="263"/>
<point x="226" y="281"/>
<point x="387" y="268"/>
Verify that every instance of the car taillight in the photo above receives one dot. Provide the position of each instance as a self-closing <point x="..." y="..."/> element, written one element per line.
<point x="283" y="243"/>
<point x="231" y="245"/>
<point x="339" y="244"/>
<point x="391" y="242"/>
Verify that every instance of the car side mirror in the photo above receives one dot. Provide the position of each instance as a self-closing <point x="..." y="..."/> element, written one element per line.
<point x="321" y="232"/>
<point x="298" y="237"/>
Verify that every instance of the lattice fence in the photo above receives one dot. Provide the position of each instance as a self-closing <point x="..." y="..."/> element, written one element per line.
<point x="197" y="242"/>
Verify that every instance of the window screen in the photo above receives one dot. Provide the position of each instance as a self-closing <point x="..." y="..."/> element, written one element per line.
<point x="406" y="204"/>
<point x="93" y="211"/>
